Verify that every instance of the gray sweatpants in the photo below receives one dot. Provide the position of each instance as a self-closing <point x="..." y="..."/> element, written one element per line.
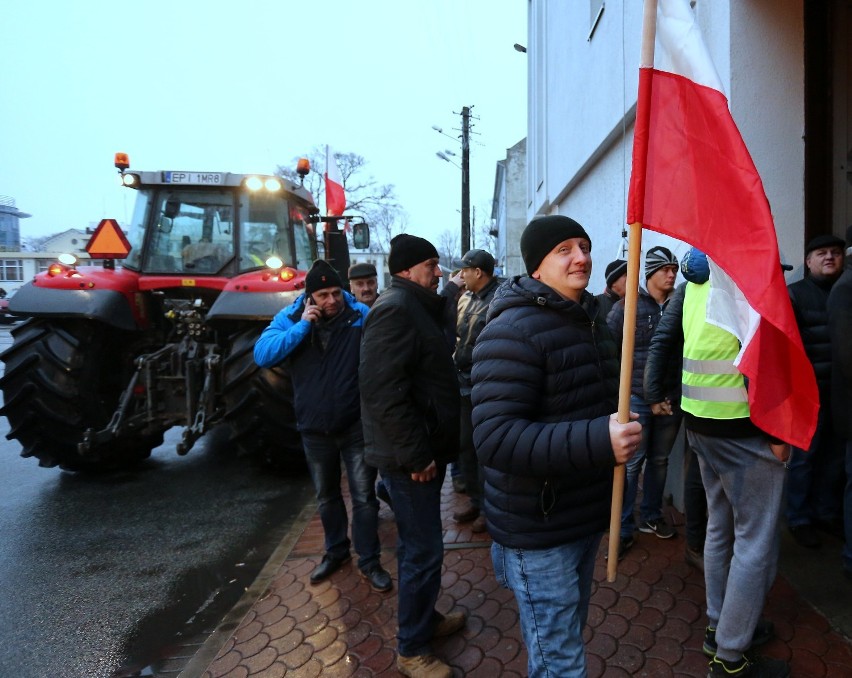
<point x="745" y="486"/>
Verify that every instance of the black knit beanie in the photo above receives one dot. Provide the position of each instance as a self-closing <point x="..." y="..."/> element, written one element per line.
<point x="657" y="258"/>
<point x="407" y="251"/>
<point x="543" y="234"/>
<point x="320" y="276"/>
<point x="614" y="270"/>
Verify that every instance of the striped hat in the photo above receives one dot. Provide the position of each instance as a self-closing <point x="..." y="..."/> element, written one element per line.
<point x="657" y="258"/>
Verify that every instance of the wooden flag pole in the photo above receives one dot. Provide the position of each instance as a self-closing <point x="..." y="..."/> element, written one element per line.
<point x="649" y="26"/>
<point x="628" y="338"/>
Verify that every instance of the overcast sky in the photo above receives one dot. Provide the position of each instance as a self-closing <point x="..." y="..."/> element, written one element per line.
<point x="244" y="87"/>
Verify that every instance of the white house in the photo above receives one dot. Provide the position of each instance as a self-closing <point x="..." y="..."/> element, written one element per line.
<point x="787" y="72"/>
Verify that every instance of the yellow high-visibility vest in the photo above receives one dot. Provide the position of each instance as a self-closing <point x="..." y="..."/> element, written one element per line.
<point x="712" y="387"/>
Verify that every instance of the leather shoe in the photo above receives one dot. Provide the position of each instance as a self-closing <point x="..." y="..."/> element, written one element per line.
<point x="423" y="666"/>
<point x="449" y="623"/>
<point x="469" y="514"/>
<point x="694" y="557"/>
<point x="478" y="525"/>
<point x="805" y="535"/>
<point x="379" y="578"/>
<point x="328" y="567"/>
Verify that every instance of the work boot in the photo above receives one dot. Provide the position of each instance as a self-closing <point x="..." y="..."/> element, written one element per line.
<point x="328" y="567"/>
<point x="423" y="666"/>
<point x="468" y="515"/>
<point x="449" y="623"/>
<point x="694" y="557"/>
<point x="378" y="577"/>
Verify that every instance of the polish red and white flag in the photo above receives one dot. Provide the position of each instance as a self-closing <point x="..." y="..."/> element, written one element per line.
<point x="694" y="179"/>
<point x="335" y="196"/>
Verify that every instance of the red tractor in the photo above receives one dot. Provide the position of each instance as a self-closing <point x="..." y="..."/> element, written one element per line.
<point x="110" y="357"/>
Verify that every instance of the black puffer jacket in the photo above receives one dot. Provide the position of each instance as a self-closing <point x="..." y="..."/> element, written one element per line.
<point x="648" y="314"/>
<point x="809" y="299"/>
<point x="409" y="388"/>
<point x="840" y="329"/>
<point x="664" y="359"/>
<point x="545" y="380"/>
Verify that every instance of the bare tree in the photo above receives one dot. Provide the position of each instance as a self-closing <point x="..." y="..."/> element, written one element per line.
<point x="483" y="230"/>
<point x="448" y="248"/>
<point x="365" y="197"/>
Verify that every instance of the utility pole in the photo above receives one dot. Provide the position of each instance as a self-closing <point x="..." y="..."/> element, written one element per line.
<point x="465" y="210"/>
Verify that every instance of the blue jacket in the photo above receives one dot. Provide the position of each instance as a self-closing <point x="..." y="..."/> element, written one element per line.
<point x="323" y="360"/>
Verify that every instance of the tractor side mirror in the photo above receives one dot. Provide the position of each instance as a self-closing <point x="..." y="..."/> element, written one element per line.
<point x="360" y="236"/>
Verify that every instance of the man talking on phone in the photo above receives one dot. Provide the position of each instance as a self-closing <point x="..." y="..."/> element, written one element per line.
<point x="319" y="335"/>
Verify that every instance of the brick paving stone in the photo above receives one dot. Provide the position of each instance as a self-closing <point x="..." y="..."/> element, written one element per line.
<point x="275" y="671"/>
<point x="651" y="618"/>
<point x="649" y="622"/>
<point x="602" y="645"/>
<point x="289" y="642"/>
<point x="272" y="616"/>
<point x="260" y="661"/>
<point x="266" y="603"/>
<point x="281" y="628"/>
<point x="253" y="646"/>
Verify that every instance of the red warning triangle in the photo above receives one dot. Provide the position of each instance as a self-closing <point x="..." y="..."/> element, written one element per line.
<point x="108" y="241"/>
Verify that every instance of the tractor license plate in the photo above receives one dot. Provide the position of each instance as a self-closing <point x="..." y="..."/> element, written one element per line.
<point x="204" y="178"/>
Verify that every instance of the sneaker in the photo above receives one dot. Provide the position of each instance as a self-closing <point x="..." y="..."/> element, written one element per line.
<point x="449" y="623"/>
<point x="379" y="578"/>
<point x="423" y="666"/>
<point x="753" y="667"/>
<point x="694" y="557"/>
<point x="659" y="527"/>
<point x="805" y="535"/>
<point x="478" y="525"/>
<point x="470" y="514"/>
<point x="763" y="632"/>
<point x="624" y="545"/>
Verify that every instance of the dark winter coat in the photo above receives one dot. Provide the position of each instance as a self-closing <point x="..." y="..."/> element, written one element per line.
<point x="472" y="310"/>
<point x="409" y="389"/>
<point x="809" y="298"/>
<point x="840" y="331"/>
<point x="648" y="314"/>
<point x="323" y="358"/>
<point x="664" y="360"/>
<point x="606" y="300"/>
<point x="545" y="380"/>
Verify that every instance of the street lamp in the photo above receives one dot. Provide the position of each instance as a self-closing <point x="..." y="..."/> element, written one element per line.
<point x="465" y="171"/>
<point x="445" y="156"/>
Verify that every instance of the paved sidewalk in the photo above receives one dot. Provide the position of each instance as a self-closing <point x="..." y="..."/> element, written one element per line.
<point x="649" y="622"/>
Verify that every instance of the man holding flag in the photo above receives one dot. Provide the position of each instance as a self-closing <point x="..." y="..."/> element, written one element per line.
<point x="748" y="387"/>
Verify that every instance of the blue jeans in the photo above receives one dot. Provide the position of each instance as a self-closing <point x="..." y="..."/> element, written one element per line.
<point x="553" y="587"/>
<point x="658" y="436"/>
<point x="420" y="554"/>
<point x="815" y="478"/>
<point x="745" y="488"/>
<point x="323" y="453"/>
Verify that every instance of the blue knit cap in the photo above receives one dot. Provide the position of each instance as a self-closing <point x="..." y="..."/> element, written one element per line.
<point x="695" y="267"/>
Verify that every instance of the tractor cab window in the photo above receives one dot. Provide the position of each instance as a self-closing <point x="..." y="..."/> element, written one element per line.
<point x="136" y="231"/>
<point x="272" y="226"/>
<point x="192" y="232"/>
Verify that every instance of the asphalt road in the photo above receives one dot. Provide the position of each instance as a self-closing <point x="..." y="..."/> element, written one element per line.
<point x="98" y="573"/>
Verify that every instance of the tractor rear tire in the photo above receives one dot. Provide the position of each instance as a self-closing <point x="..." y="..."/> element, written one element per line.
<point x="61" y="378"/>
<point x="259" y="406"/>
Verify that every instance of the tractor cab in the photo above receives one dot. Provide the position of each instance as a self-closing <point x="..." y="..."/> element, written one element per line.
<point x="217" y="223"/>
